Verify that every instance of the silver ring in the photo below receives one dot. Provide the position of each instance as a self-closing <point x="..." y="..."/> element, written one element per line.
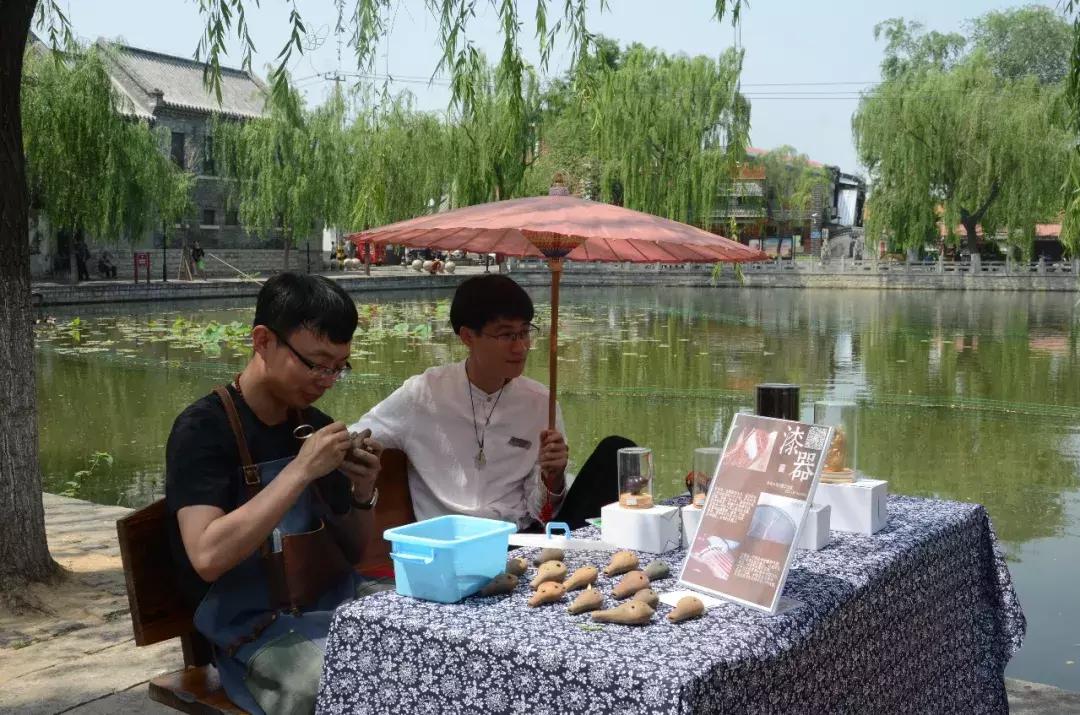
<point x="303" y="431"/>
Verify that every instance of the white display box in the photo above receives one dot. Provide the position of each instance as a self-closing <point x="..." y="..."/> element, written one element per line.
<point x="859" y="507"/>
<point x="656" y="529"/>
<point x="691" y="517"/>
<point x="815" y="532"/>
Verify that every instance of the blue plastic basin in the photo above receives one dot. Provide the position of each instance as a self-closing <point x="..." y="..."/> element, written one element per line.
<point x="448" y="558"/>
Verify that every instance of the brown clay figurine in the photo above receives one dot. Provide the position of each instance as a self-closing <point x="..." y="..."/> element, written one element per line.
<point x="581" y="578"/>
<point x="647" y="595"/>
<point x="621" y="562"/>
<point x="503" y="583"/>
<point x="588" y="600"/>
<point x="549" y="571"/>
<point x="688" y="607"/>
<point x="548" y="555"/>
<point x="657" y="570"/>
<point x="631" y="613"/>
<point x="517" y="566"/>
<point x="549" y="592"/>
<point x="630" y="584"/>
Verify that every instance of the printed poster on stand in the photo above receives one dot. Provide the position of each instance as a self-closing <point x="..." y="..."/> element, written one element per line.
<point x="755" y="508"/>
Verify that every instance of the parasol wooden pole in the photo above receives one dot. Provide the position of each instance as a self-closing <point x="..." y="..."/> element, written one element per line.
<point x="555" y="265"/>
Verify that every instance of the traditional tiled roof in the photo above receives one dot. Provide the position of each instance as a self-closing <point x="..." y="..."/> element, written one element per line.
<point x="152" y="79"/>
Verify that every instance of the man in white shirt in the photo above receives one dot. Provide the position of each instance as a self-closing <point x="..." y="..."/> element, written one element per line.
<point x="475" y="432"/>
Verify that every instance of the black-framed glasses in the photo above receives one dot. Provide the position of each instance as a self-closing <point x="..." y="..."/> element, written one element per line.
<point x="318" y="370"/>
<point x="526" y="334"/>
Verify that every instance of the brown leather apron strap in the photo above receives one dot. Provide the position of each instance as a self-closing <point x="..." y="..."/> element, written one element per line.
<point x="247" y="466"/>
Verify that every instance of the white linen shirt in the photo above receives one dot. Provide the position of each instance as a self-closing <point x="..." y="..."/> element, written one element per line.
<point x="429" y="418"/>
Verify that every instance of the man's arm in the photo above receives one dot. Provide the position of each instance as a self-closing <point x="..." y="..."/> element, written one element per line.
<point x="216" y="542"/>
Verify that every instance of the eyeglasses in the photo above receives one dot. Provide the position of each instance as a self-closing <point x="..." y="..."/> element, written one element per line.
<point x="317" y="370"/>
<point x="527" y="335"/>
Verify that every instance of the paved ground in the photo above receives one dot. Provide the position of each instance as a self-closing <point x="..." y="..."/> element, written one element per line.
<point x="82" y="659"/>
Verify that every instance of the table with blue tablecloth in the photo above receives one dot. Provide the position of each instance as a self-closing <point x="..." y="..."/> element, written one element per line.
<point x="920" y="617"/>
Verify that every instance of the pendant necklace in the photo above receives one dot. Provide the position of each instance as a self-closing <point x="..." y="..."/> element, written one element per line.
<point x="480" y="459"/>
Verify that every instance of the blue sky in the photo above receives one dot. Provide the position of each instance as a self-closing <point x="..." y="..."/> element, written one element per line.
<point x="805" y="61"/>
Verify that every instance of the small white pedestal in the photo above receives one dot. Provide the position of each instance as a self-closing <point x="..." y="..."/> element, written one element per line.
<point x="656" y="529"/>
<point x="859" y="507"/>
<point x="691" y="517"/>
<point x="815" y="532"/>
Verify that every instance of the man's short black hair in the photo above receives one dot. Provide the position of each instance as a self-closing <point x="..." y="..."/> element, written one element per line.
<point x="482" y="299"/>
<point x="290" y="301"/>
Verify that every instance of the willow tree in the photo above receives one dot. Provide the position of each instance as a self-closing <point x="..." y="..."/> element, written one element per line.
<point x="494" y="133"/>
<point x="956" y="142"/>
<point x="669" y="131"/>
<point x="287" y="168"/>
<point x="791" y="182"/>
<point x="1070" y="226"/>
<point x="400" y="163"/>
<point x="91" y="167"/>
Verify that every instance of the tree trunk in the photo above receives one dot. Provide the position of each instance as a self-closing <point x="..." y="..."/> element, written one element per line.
<point x="24" y="553"/>
<point x="288" y="246"/>
<point x="971" y="228"/>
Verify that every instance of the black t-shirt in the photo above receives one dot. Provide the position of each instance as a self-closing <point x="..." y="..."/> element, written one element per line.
<point x="202" y="467"/>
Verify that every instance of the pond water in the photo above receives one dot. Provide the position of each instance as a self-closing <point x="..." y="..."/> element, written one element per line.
<point x="970" y="396"/>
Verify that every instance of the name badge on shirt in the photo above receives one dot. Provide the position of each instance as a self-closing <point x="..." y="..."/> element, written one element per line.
<point x="519" y="442"/>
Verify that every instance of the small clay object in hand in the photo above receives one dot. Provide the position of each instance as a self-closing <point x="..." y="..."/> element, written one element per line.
<point x="688" y="607"/>
<point x="548" y="555"/>
<point x="657" y="570"/>
<point x="517" y="566"/>
<point x="549" y="592"/>
<point x="647" y="595"/>
<point x="631" y="613"/>
<point x="503" y="583"/>
<point x="359" y="442"/>
<point x="549" y="571"/>
<point x="581" y="578"/>
<point x="621" y="562"/>
<point x="588" y="600"/>
<point x="630" y="584"/>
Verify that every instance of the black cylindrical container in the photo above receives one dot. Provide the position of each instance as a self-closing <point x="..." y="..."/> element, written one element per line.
<point x="778" y="400"/>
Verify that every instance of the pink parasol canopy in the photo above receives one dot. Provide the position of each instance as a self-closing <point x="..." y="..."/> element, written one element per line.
<point x="558" y="227"/>
<point x="562" y="226"/>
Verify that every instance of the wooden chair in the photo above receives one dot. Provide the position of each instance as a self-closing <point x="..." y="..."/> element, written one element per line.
<point x="159" y="613"/>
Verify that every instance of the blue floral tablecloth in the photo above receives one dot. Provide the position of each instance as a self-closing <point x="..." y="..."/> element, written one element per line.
<point x="918" y="618"/>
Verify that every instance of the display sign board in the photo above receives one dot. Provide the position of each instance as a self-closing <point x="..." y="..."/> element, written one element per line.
<point x="755" y="508"/>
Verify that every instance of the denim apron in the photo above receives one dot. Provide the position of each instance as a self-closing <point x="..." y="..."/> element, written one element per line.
<point x="269" y="658"/>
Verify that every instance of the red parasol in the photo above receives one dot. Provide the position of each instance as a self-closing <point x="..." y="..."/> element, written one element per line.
<point x="558" y="227"/>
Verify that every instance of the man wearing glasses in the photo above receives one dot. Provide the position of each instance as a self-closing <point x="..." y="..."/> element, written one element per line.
<point x="272" y="499"/>
<point x="475" y="432"/>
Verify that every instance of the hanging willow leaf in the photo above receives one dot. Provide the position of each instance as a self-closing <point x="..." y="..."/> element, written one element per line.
<point x="958" y="144"/>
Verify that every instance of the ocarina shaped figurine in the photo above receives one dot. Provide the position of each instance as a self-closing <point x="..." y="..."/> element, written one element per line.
<point x="549" y="571"/>
<point x="657" y="570"/>
<point x="630" y="584"/>
<point x="517" y="566"/>
<point x="647" y="595"/>
<point x="581" y="578"/>
<point x="688" y="607"/>
<point x="549" y="592"/>
<point x="588" y="600"/>
<point x="503" y="583"/>
<point x="548" y="555"/>
<point x="360" y="444"/>
<point x="631" y="613"/>
<point x="621" y="562"/>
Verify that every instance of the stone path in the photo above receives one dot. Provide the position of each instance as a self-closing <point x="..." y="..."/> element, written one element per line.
<point x="84" y="660"/>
